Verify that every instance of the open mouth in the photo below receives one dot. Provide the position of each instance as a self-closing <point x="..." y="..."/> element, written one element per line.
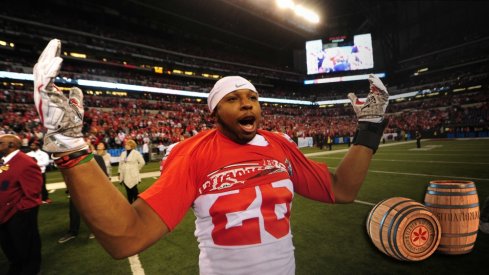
<point x="247" y="123"/>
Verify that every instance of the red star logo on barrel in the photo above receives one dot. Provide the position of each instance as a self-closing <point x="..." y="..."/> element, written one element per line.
<point x="419" y="236"/>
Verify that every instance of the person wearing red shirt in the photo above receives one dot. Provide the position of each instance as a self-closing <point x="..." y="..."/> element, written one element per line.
<point x="239" y="180"/>
<point x="20" y="197"/>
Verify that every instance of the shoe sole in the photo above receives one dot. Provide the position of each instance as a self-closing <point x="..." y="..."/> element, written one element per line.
<point x="66" y="240"/>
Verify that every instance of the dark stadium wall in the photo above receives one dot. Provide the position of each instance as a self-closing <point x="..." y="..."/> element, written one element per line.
<point x="429" y="26"/>
<point x="299" y="58"/>
<point x="379" y="56"/>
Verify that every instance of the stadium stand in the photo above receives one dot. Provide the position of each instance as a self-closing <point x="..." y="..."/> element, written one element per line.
<point x="450" y="100"/>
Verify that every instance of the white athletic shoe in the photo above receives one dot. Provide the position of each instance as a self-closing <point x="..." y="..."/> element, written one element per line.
<point x="484" y="227"/>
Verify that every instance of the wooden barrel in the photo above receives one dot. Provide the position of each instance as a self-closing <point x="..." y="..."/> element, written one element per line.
<point x="403" y="229"/>
<point x="456" y="205"/>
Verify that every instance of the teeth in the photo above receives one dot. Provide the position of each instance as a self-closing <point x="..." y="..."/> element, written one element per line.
<point x="248" y="124"/>
<point x="248" y="127"/>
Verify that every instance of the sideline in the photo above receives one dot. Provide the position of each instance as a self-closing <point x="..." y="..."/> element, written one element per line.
<point x="346" y="149"/>
<point x="364" y="202"/>
<point x="417" y="161"/>
<point x="136" y="267"/>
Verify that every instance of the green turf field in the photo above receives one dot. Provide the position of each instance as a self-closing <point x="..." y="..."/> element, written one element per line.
<point x="329" y="239"/>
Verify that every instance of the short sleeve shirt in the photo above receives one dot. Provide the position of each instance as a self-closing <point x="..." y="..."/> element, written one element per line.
<point x="241" y="196"/>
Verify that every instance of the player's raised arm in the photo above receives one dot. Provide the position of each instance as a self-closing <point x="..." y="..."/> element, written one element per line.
<point x="121" y="228"/>
<point x="352" y="170"/>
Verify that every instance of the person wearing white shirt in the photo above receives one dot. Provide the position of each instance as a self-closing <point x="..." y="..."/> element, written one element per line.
<point x="102" y="151"/>
<point x="146" y="150"/>
<point x="42" y="159"/>
<point x="130" y="164"/>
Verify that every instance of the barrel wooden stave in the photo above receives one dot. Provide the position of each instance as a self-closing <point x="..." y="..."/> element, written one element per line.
<point x="456" y="205"/>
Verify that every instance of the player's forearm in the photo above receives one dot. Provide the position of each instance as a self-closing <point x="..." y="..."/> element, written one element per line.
<point x="106" y="211"/>
<point x="351" y="173"/>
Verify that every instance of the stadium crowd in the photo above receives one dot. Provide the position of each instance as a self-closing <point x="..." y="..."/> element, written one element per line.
<point x="166" y="120"/>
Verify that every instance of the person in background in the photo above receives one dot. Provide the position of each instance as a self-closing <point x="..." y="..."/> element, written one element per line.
<point x="165" y="156"/>
<point x="20" y="197"/>
<point x="74" y="215"/>
<point x="130" y="163"/>
<point x="320" y="140"/>
<point x="146" y="150"/>
<point x="330" y="142"/>
<point x="418" y="139"/>
<point x="161" y="148"/>
<point x="42" y="159"/>
<point x="101" y="151"/>
<point x="25" y="137"/>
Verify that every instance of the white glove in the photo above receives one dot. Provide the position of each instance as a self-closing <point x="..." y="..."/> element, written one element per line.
<point x="63" y="117"/>
<point x="373" y="109"/>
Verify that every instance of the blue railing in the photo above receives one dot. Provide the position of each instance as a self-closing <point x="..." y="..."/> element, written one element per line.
<point x="468" y="134"/>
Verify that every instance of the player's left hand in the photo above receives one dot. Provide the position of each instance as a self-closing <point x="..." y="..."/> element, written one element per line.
<point x="373" y="109"/>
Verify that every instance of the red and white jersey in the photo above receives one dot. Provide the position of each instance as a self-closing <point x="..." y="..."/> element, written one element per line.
<point x="242" y="198"/>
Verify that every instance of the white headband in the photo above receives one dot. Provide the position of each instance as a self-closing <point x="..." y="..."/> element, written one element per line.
<point x="225" y="86"/>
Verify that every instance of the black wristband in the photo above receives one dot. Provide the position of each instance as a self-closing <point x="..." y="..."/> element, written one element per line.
<point x="369" y="133"/>
<point x="73" y="155"/>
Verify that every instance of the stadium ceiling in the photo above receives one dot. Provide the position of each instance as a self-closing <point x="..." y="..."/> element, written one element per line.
<point x="254" y="23"/>
<point x="255" y="29"/>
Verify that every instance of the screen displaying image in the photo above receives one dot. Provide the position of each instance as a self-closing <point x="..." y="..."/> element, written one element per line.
<point x="342" y="56"/>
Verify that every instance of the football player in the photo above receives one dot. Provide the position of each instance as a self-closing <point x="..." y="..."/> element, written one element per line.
<point x="239" y="180"/>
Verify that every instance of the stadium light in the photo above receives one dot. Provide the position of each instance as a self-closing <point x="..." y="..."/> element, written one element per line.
<point x="78" y="55"/>
<point x="284" y="4"/>
<point x="7" y="44"/>
<point x="158" y="70"/>
<point x="474" y="87"/>
<point x="301" y="11"/>
<point x="307" y="14"/>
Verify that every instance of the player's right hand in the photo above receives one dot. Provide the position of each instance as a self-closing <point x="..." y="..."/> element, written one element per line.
<point x="62" y="116"/>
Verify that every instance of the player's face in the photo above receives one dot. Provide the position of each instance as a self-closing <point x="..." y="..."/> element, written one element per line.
<point x="238" y="115"/>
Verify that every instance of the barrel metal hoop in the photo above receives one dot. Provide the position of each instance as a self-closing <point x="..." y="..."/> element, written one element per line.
<point x="383" y="220"/>
<point x="371" y="214"/>
<point x="458" y="186"/>
<point x="416" y="207"/>
<point x="430" y="192"/>
<point x="464" y="206"/>
<point x="455" y="245"/>
<point x="455" y="235"/>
